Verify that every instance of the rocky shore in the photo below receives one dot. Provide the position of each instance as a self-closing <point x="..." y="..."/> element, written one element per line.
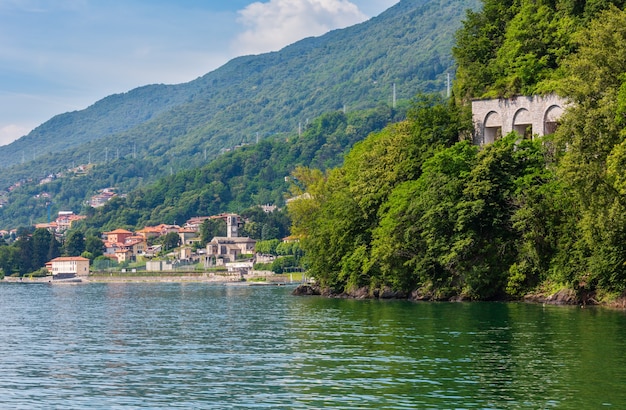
<point x="561" y="297"/>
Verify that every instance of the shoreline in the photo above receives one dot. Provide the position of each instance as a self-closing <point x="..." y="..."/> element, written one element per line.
<point x="153" y="278"/>
<point x="564" y="297"/>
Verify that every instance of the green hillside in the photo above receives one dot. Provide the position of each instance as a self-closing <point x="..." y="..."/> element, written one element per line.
<point x="182" y="126"/>
<point x="251" y="175"/>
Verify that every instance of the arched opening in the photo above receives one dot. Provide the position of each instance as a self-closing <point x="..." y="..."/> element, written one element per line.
<point x="522" y="123"/>
<point x="551" y="119"/>
<point x="493" y="127"/>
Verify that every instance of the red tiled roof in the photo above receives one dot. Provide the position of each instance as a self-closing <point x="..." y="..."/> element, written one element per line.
<point x="118" y="231"/>
<point x="150" y="229"/>
<point x="69" y="258"/>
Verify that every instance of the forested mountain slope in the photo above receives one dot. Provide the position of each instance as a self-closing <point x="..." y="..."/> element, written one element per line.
<point x="256" y="174"/>
<point x="181" y="126"/>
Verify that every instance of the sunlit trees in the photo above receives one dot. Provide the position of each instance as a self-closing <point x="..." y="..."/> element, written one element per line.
<point x="337" y="216"/>
<point x="414" y="244"/>
<point x="592" y="141"/>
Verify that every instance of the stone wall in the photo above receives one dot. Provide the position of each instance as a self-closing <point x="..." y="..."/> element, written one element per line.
<point x="528" y="115"/>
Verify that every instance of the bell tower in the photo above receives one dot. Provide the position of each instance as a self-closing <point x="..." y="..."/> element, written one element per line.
<point x="232" y="226"/>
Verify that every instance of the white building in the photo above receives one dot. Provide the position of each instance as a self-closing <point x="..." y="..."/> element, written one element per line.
<point x="69" y="266"/>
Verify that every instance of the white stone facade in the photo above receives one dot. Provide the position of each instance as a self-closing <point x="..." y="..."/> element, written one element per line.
<point x="528" y="116"/>
<point x="70" y="266"/>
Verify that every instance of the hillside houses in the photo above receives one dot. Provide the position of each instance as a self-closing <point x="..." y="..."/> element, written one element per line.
<point x="188" y="236"/>
<point x="160" y="248"/>
<point x="63" y="222"/>
<point x="196" y="222"/>
<point x="228" y="249"/>
<point x="123" y="245"/>
<point x="128" y="246"/>
<point x="102" y="197"/>
<point x="225" y="249"/>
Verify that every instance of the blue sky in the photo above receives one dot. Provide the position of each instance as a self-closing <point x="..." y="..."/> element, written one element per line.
<point x="64" y="55"/>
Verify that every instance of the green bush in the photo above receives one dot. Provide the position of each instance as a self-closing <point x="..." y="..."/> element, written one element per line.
<point x="281" y="264"/>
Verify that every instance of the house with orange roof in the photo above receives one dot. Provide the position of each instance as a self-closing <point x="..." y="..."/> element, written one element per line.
<point x="156" y="231"/>
<point x="117" y="236"/>
<point x="136" y="244"/>
<point x="165" y="229"/>
<point x="149" y="232"/>
<point x="123" y="255"/>
<point x="65" y="219"/>
<point x="124" y="245"/>
<point x="102" y="197"/>
<point x="52" y="226"/>
<point x="195" y="222"/>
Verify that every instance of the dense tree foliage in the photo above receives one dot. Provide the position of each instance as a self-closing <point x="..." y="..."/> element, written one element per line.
<point x="592" y="139"/>
<point x="29" y="253"/>
<point x="170" y="240"/>
<point x="444" y="218"/>
<point x="436" y="215"/>
<point x="74" y="243"/>
<point x="211" y="228"/>
<point x="519" y="47"/>
<point x="341" y="210"/>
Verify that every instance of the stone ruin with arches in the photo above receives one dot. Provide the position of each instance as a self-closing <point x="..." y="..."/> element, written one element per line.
<point x="529" y="116"/>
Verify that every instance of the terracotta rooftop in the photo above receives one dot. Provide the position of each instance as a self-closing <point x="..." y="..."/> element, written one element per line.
<point x="69" y="258"/>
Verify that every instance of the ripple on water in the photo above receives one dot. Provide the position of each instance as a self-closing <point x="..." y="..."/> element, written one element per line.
<point x="207" y="346"/>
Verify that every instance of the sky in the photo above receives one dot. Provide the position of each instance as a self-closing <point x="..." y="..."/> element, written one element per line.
<point x="63" y="55"/>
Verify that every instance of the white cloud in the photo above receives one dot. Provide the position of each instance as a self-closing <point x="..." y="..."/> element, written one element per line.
<point x="11" y="132"/>
<point x="277" y="23"/>
<point x="65" y="55"/>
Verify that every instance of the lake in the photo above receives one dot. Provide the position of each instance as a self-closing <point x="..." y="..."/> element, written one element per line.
<point x="204" y="346"/>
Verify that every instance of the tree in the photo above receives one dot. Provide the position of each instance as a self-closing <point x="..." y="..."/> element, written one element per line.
<point x="171" y="240"/>
<point x="267" y="247"/>
<point x="41" y="245"/>
<point x="25" y="261"/>
<point x="9" y="259"/>
<point x="280" y="265"/>
<point x="74" y="243"/>
<point x="592" y="252"/>
<point x="54" y="248"/>
<point x="94" y="246"/>
<point x="477" y="44"/>
<point x="416" y="243"/>
<point x="211" y="228"/>
<point x="337" y="216"/>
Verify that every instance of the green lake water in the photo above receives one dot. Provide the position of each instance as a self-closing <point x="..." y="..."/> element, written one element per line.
<point x="197" y="346"/>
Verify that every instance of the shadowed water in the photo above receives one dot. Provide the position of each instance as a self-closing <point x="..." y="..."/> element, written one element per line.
<point x="213" y="346"/>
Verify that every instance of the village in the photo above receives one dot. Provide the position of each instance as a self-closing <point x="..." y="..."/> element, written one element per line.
<point x="228" y="258"/>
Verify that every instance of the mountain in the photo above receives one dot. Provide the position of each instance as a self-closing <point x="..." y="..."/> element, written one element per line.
<point x="245" y="177"/>
<point x="175" y="127"/>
